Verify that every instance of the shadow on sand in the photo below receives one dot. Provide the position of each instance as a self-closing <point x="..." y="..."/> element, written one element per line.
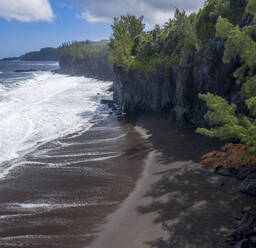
<point x="196" y="207"/>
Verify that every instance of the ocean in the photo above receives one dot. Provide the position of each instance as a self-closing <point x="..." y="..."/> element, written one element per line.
<point x="40" y="106"/>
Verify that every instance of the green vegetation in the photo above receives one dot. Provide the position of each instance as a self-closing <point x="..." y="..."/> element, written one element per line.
<point x="180" y="39"/>
<point x="85" y="49"/>
<point x="126" y="29"/>
<point x="187" y="38"/>
<point x="208" y="16"/>
<point x="251" y="8"/>
<point x="228" y="123"/>
<point x="172" y="43"/>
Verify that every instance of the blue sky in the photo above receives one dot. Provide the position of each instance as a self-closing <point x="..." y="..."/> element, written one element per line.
<point x="28" y="25"/>
<point x="18" y="37"/>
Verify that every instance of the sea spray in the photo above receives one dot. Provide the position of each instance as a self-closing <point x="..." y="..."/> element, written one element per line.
<point x="45" y="107"/>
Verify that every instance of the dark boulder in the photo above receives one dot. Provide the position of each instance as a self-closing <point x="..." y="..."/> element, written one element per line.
<point x="248" y="187"/>
<point x="247" y="224"/>
<point x="244" y="235"/>
<point x="110" y="103"/>
<point x="245" y="243"/>
<point x="26" y="70"/>
<point x="223" y="171"/>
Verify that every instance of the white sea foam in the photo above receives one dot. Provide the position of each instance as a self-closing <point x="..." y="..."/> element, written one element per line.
<point x="44" y="108"/>
<point x="42" y="207"/>
<point x="46" y="63"/>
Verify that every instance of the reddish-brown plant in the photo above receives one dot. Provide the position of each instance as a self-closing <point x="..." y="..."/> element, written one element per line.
<point x="230" y="155"/>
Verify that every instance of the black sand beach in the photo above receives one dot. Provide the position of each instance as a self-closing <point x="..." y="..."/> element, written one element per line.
<point x="61" y="194"/>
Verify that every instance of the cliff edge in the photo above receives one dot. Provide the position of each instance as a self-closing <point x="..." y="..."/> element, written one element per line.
<point x="174" y="90"/>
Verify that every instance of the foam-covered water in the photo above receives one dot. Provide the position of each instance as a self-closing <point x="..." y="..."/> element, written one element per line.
<point x="45" y="106"/>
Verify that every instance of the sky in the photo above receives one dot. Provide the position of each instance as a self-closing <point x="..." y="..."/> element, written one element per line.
<point x="29" y="25"/>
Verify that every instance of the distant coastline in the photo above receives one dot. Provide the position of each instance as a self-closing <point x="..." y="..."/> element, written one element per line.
<point x="48" y="53"/>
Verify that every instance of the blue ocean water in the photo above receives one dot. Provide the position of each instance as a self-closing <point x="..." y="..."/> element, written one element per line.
<point x="8" y="68"/>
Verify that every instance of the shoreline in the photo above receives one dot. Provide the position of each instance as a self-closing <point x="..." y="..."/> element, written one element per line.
<point x="176" y="203"/>
<point x="51" y="107"/>
<point x="67" y="187"/>
<point x="122" y="183"/>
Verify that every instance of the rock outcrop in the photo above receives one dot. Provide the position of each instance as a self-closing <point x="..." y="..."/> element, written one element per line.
<point x="244" y="235"/>
<point x="174" y="91"/>
<point x="100" y="68"/>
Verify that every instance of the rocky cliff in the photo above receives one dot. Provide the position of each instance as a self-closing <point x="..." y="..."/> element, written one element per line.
<point x="100" y="68"/>
<point x="174" y="91"/>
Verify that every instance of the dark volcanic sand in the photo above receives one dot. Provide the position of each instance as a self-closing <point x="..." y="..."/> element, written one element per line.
<point x="176" y="203"/>
<point x="64" y="190"/>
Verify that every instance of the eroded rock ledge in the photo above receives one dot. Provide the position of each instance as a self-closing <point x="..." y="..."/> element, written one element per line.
<point x="99" y="68"/>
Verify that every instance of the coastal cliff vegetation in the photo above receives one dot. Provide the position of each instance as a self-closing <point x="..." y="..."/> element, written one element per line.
<point x="187" y="39"/>
<point x="86" y="58"/>
<point x="79" y="50"/>
<point x="181" y="38"/>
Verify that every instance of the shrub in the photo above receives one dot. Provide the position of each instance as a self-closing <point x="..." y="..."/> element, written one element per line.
<point x="230" y="155"/>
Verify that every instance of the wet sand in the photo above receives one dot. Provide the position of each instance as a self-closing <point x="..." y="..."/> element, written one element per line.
<point x="58" y="193"/>
<point x="76" y="191"/>
<point x="176" y="203"/>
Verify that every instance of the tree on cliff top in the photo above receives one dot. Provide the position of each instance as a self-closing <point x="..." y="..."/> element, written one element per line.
<point x="125" y="30"/>
<point x="84" y="49"/>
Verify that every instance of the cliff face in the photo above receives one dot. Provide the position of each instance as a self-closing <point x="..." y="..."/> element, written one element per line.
<point x="100" y="68"/>
<point x="174" y="91"/>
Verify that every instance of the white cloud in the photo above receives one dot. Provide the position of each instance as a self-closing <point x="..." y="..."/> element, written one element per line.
<point x="154" y="11"/>
<point x="92" y="18"/>
<point x="26" y="10"/>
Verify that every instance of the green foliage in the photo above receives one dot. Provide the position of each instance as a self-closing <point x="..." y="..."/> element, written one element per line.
<point x="175" y="42"/>
<point x="251" y="104"/>
<point x="180" y="39"/>
<point x="223" y="27"/>
<point x="125" y="31"/>
<point x="85" y="49"/>
<point x="146" y="64"/>
<point x="207" y="18"/>
<point x="146" y="46"/>
<point x="220" y="112"/>
<point x="184" y="37"/>
<point x="187" y="37"/>
<point x="249" y="87"/>
<point x="229" y="124"/>
<point x="236" y="12"/>
<point x="233" y="10"/>
<point x="240" y="43"/>
<point x="251" y="8"/>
